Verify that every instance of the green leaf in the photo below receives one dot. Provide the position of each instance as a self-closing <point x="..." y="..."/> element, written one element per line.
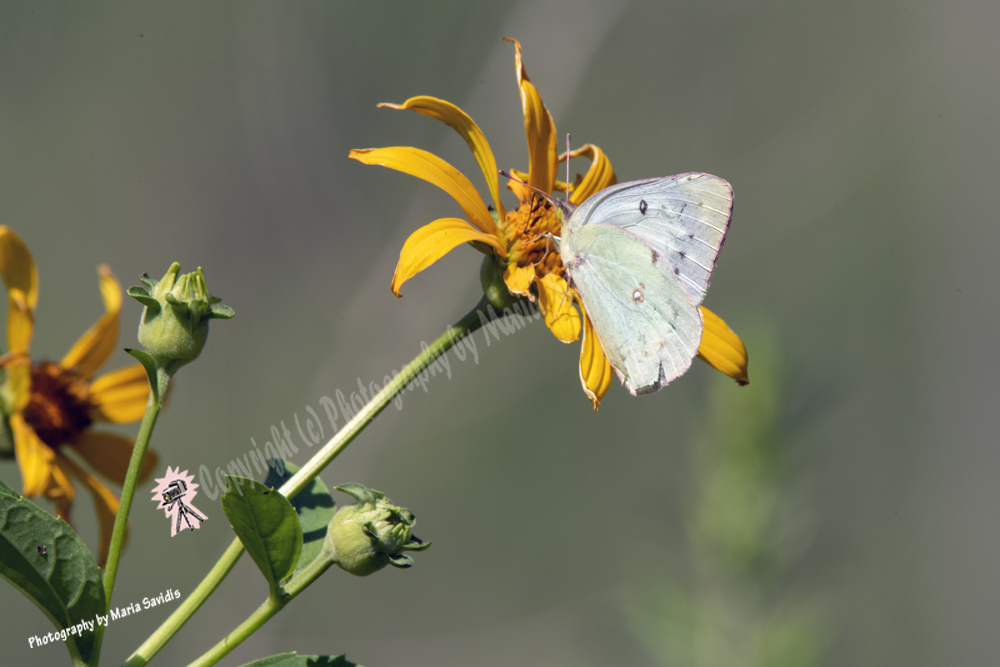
<point x="9" y="491"/>
<point x="147" y="362"/>
<point x="42" y="557"/>
<point x="314" y="505"/>
<point x="266" y="524"/>
<point x="295" y="660"/>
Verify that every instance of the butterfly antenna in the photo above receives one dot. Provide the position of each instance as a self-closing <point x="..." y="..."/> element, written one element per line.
<point x="562" y="206"/>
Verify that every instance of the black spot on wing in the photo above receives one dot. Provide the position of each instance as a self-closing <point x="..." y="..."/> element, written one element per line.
<point x="643" y="206"/>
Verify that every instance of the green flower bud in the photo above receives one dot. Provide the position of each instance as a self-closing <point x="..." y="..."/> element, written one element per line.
<point x="365" y="537"/>
<point x="174" y="323"/>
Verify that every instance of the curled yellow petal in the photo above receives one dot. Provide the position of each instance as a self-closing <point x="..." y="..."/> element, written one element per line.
<point x="461" y="122"/>
<point x="120" y="396"/>
<point x="20" y="321"/>
<point x="96" y="344"/>
<point x="556" y="304"/>
<point x="723" y="349"/>
<point x="17" y="267"/>
<point x="34" y="457"/>
<point x="519" y="280"/>
<point x="599" y="176"/>
<point x="520" y="190"/>
<point x="105" y="502"/>
<point x="436" y="171"/>
<point x="109" y="454"/>
<point x="431" y="242"/>
<point x="595" y="369"/>
<point x="539" y="128"/>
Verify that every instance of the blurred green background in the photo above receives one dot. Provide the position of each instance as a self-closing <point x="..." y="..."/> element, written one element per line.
<point x="861" y="141"/>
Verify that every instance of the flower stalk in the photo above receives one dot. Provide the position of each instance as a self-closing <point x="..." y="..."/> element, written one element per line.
<point x="153" y="407"/>
<point x="142" y="655"/>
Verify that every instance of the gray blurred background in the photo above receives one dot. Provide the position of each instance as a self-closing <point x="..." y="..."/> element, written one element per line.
<point x="861" y="141"/>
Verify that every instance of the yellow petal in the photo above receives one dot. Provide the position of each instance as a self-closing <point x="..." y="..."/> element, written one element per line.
<point x="520" y="190"/>
<point x="561" y="186"/>
<point x="20" y="321"/>
<point x="595" y="369"/>
<point x="436" y="171"/>
<point x="60" y="491"/>
<point x="600" y="175"/>
<point x="17" y="388"/>
<point x="104" y="501"/>
<point x="461" y="122"/>
<point x="120" y="396"/>
<point x="556" y="304"/>
<point x="17" y="267"/>
<point x="34" y="457"/>
<point x="539" y="128"/>
<point x="96" y="344"/>
<point x="519" y="279"/>
<point x="723" y="349"/>
<point x="431" y="242"/>
<point x="109" y="455"/>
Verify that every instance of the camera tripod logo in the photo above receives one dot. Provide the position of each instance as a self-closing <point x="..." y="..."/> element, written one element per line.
<point x="175" y="492"/>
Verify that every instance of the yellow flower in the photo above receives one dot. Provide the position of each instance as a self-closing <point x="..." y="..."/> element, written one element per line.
<point x="519" y="241"/>
<point x="49" y="407"/>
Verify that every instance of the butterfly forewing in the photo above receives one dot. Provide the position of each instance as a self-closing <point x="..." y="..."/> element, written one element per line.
<point x="646" y="322"/>
<point x="682" y="217"/>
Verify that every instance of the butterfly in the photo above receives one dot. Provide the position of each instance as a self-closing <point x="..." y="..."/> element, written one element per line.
<point x="640" y="255"/>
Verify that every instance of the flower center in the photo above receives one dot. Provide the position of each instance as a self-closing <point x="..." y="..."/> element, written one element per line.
<point x="525" y="232"/>
<point x="59" y="407"/>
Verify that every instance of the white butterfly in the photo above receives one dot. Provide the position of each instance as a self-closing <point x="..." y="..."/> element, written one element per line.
<point x="641" y="255"/>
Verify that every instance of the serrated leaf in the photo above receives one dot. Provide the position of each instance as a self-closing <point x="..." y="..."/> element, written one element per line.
<point x="295" y="660"/>
<point x="266" y="524"/>
<point x="314" y="505"/>
<point x="42" y="557"/>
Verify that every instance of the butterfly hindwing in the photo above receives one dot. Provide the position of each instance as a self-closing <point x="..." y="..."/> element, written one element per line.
<point x="683" y="217"/>
<point x="645" y="320"/>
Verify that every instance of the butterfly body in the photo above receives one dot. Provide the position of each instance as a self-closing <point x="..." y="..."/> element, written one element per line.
<point x="641" y="255"/>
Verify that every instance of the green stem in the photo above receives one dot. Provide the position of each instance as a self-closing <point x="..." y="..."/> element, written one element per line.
<point x="275" y="603"/>
<point x="153" y="406"/>
<point x="236" y="637"/>
<point x="468" y="324"/>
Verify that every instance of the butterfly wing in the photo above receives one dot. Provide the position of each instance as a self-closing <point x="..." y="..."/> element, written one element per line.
<point x="646" y="322"/>
<point x="683" y="217"/>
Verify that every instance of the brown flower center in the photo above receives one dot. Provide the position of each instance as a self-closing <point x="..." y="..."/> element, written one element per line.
<point x="59" y="407"/>
<point x="525" y="232"/>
